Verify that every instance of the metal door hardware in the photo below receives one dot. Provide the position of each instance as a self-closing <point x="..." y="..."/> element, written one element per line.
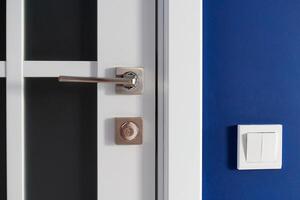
<point x="127" y="80"/>
<point x="129" y="130"/>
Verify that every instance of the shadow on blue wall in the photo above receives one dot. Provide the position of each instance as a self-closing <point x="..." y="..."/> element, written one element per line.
<point x="232" y="147"/>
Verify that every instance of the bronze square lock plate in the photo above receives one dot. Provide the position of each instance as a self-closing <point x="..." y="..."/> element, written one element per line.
<point x="129" y="130"/>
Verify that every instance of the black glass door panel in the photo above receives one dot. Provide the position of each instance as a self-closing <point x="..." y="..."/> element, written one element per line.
<point x="61" y="140"/>
<point x="2" y="138"/>
<point x="2" y="30"/>
<point x="61" y="30"/>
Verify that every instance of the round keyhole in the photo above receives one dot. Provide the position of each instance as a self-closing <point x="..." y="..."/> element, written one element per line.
<point x="129" y="131"/>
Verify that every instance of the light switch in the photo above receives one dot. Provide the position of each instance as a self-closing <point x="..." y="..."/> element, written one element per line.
<point x="259" y="147"/>
<point x="254" y="147"/>
<point x="269" y="149"/>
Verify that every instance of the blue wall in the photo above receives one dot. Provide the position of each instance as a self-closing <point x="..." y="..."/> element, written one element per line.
<point x="251" y="75"/>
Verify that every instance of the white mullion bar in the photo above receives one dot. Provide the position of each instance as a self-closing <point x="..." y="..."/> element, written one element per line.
<point x="57" y="68"/>
<point x="2" y="69"/>
<point x="15" y="100"/>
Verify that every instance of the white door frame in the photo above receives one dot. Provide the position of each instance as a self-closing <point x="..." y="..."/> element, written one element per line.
<point x="179" y="98"/>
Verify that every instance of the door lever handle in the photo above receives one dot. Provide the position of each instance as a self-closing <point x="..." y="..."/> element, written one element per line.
<point x="127" y="80"/>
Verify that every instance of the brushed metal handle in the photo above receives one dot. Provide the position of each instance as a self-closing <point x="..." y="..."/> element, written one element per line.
<point x="128" y="79"/>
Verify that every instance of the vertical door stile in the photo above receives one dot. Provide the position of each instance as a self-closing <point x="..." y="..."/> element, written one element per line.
<point x="126" y="38"/>
<point x="15" y="100"/>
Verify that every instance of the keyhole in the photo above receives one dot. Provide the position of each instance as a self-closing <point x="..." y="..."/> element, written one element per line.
<point x="129" y="131"/>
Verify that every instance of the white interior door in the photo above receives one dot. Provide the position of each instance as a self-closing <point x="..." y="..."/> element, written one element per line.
<point x="61" y="137"/>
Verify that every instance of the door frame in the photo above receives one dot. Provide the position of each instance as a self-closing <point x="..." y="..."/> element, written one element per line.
<point x="179" y="97"/>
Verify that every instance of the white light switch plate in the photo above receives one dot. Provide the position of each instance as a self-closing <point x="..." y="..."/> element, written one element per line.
<point x="259" y="147"/>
